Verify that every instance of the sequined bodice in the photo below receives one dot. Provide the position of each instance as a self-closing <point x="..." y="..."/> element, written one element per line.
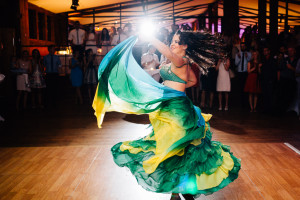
<point x="167" y="74"/>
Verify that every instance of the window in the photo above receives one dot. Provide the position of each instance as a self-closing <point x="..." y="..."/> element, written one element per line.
<point x="32" y="24"/>
<point x="41" y="25"/>
<point x="49" y="28"/>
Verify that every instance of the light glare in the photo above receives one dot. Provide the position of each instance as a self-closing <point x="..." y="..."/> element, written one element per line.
<point x="147" y="28"/>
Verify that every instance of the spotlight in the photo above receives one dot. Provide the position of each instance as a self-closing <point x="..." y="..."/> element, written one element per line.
<point x="147" y="28"/>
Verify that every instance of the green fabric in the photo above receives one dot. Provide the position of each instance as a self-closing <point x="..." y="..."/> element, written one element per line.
<point x="177" y="174"/>
<point x="167" y="74"/>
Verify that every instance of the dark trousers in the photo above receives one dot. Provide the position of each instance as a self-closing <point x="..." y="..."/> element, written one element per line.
<point x="286" y="93"/>
<point x="267" y="88"/>
<point x="241" y="81"/>
<point x="52" y="87"/>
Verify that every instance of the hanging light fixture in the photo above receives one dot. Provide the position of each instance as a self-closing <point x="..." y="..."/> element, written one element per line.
<point x="74" y="4"/>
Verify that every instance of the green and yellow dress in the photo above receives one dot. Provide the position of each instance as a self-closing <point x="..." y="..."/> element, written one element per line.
<point x="178" y="155"/>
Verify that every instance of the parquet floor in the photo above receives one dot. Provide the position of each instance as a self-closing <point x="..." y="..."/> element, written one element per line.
<point x="61" y="154"/>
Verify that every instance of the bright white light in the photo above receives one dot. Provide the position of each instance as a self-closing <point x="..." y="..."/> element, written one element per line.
<point x="147" y="28"/>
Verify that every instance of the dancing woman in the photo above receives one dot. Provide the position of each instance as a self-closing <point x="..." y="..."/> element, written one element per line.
<point x="178" y="155"/>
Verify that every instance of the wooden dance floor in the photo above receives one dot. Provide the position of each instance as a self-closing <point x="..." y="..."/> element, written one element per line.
<point x="61" y="154"/>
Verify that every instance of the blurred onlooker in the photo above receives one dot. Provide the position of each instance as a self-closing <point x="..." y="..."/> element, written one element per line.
<point x="195" y="89"/>
<point x="252" y="85"/>
<point x="76" y="75"/>
<point x="24" y="66"/>
<point x="282" y="51"/>
<point x="37" y="80"/>
<point x="223" y="81"/>
<point x="241" y="61"/>
<point x="150" y="62"/>
<point x="105" y="42"/>
<point x="125" y="33"/>
<point x="113" y="36"/>
<point x="246" y="37"/>
<point x="52" y="64"/>
<point x="254" y="38"/>
<point x="164" y="37"/>
<point x="174" y="28"/>
<point x="236" y="47"/>
<point x="287" y="82"/>
<point x="91" y="40"/>
<point x="186" y="27"/>
<point x="116" y="38"/>
<point x="268" y="71"/>
<point x="122" y="35"/>
<point x="128" y="30"/>
<point x="77" y="38"/>
<point x="208" y="83"/>
<point x="112" y="32"/>
<point x="90" y="72"/>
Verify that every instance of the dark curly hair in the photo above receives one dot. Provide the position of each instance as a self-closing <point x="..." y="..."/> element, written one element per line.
<point x="203" y="48"/>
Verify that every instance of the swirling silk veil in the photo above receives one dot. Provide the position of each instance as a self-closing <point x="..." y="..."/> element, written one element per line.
<point x="125" y="87"/>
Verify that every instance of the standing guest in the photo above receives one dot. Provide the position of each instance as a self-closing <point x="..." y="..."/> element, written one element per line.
<point x="252" y="85"/>
<point x="122" y="35"/>
<point x="208" y="83"/>
<point x="24" y="68"/>
<point x="126" y="32"/>
<point x="37" y="80"/>
<point x="52" y="64"/>
<point x="77" y="38"/>
<point x="112" y="33"/>
<point x="115" y="38"/>
<point x="223" y="81"/>
<point x="104" y="41"/>
<point x="268" y="72"/>
<point x="236" y="47"/>
<point x="287" y="82"/>
<point x="174" y="28"/>
<point x="282" y="50"/>
<point x="241" y="61"/>
<point x="76" y="75"/>
<point x="91" y="40"/>
<point x="164" y="37"/>
<point x="150" y="62"/>
<point x="90" y="72"/>
<point x="195" y="89"/>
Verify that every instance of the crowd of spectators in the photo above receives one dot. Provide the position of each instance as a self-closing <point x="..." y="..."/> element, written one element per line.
<point x="261" y="78"/>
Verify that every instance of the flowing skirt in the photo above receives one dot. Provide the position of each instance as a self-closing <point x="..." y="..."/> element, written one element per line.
<point x="178" y="156"/>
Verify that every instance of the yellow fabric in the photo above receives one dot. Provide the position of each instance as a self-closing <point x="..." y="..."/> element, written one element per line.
<point x="206" y="117"/>
<point x="170" y="133"/>
<point x="133" y="150"/>
<point x="205" y="181"/>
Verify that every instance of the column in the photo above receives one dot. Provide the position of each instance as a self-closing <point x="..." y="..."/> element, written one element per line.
<point x="262" y="9"/>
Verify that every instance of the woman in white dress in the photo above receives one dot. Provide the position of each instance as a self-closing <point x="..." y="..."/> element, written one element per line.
<point x="105" y="41"/>
<point x="37" y="81"/>
<point x="223" y="81"/>
<point x="24" y="68"/>
<point x="91" y="40"/>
